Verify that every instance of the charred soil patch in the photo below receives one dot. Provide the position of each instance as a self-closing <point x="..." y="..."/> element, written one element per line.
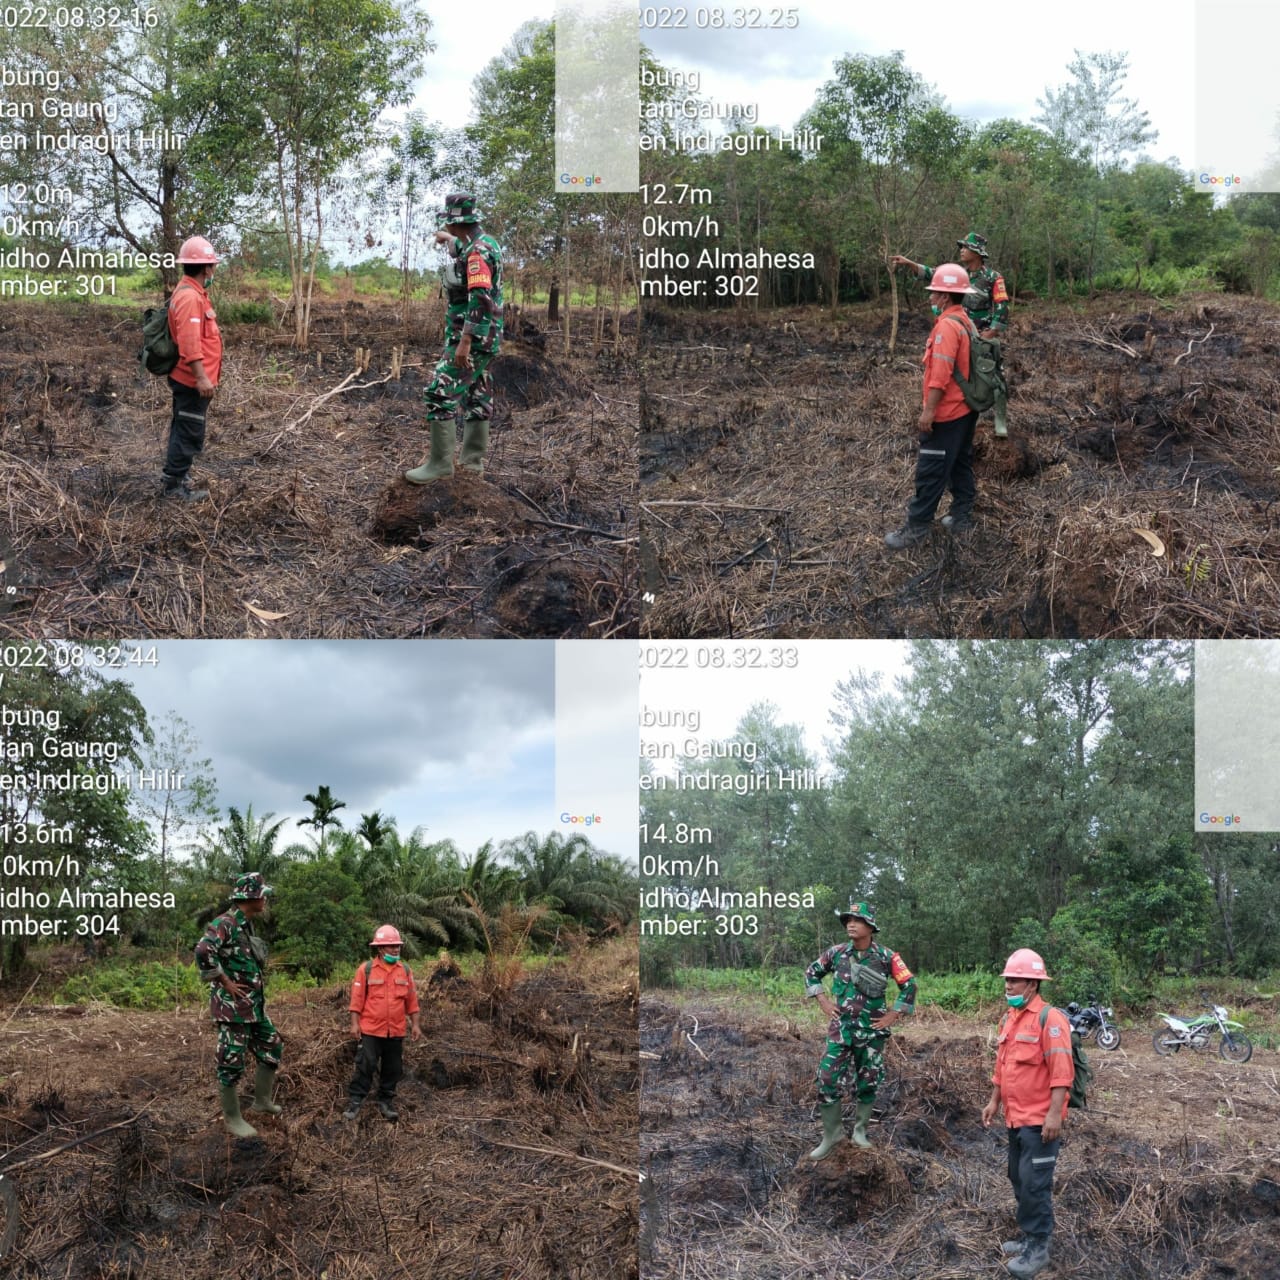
<point x="310" y="531"/>
<point x="452" y="1190"/>
<point x="1172" y="1171"/>
<point x="778" y="449"/>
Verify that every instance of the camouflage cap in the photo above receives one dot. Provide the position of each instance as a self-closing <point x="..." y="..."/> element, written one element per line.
<point x="460" y="208"/>
<point x="976" y="242"/>
<point x="249" y="887"/>
<point x="859" y="910"/>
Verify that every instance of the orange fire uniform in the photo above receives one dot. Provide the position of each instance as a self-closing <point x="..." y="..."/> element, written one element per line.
<point x="193" y="325"/>
<point x="1030" y="1061"/>
<point x="384" y="1001"/>
<point x="946" y="351"/>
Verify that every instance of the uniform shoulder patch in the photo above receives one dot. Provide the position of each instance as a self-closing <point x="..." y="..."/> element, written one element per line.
<point x="999" y="293"/>
<point x="478" y="274"/>
<point x="1055" y="1031"/>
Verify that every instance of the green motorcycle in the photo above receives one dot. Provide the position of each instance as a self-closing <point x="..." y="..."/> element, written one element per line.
<point x="1234" y="1045"/>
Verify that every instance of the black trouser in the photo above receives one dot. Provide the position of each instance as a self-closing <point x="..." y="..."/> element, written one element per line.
<point x="186" y="432"/>
<point x="384" y="1054"/>
<point x="1031" y="1165"/>
<point x="945" y="458"/>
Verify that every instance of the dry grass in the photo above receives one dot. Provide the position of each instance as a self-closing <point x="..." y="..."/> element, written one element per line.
<point x="310" y="532"/>
<point x="1172" y="1172"/>
<point x="777" y="451"/>
<point x="514" y="1157"/>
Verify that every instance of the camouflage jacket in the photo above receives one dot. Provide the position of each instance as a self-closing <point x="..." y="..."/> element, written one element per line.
<point x="991" y="309"/>
<point x="230" y="948"/>
<point x="473" y="286"/>
<point x="843" y="960"/>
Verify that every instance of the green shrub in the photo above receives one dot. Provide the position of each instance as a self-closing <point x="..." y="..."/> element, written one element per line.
<point x="152" y="984"/>
<point x="247" y="311"/>
<point x="155" y="984"/>
<point x="960" y="992"/>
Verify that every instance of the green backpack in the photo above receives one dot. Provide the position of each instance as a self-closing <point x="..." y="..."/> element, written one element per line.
<point x="1076" y="1097"/>
<point x="159" y="354"/>
<point x="985" y="386"/>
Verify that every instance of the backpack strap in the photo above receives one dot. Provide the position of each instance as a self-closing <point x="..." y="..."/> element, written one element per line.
<point x="368" y="969"/>
<point x="965" y="323"/>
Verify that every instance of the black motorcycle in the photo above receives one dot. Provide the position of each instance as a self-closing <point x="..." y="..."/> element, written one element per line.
<point x="1094" y="1021"/>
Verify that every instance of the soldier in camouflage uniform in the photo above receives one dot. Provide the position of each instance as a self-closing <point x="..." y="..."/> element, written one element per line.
<point x="860" y="1021"/>
<point x="472" y="336"/>
<point x="233" y="960"/>
<point x="988" y="303"/>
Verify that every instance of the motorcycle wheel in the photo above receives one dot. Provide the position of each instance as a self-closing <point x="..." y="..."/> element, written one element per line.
<point x="1163" y="1044"/>
<point x="1108" y="1038"/>
<point x="1235" y="1048"/>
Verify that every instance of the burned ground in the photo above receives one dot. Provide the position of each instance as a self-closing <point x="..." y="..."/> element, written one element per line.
<point x="310" y="530"/>
<point x="778" y="448"/>
<point x="1172" y="1172"/>
<point x="452" y="1191"/>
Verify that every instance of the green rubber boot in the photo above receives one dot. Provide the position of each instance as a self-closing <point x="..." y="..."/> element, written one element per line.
<point x="832" y="1131"/>
<point x="263" y="1080"/>
<point x="860" y="1125"/>
<point x="231" y="1113"/>
<point x="1002" y="422"/>
<point x="475" y="444"/>
<point x="440" y="463"/>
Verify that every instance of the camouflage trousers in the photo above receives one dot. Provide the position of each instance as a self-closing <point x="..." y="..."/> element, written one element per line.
<point x="845" y="1050"/>
<point x="236" y="1038"/>
<point x="452" y="387"/>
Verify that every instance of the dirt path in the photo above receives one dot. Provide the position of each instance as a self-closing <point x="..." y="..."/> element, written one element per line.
<point x="1172" y="1172"/>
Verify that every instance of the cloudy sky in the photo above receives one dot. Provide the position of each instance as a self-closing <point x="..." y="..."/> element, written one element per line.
<point x="990" y="60"/>
<point x="456" y="736"/>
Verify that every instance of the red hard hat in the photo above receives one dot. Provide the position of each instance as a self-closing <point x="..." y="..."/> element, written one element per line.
<point x="196" y="250"/>
<point x="385" y="935"/>
<point x="950" y="278"/>
<point x="1025" y="963"/>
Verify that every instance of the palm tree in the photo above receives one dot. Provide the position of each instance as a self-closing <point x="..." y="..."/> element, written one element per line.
<point x="372" y="827"/>
<point x="489" y="884"/>
<point x="323" y="807"/>
<point x="415" y="886"/>
<point x="571" y="878"/>
<point x="245" y="842"/>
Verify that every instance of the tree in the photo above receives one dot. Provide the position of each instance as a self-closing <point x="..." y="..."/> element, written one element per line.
<point x="60" y="799"/>
<point x="566" y="875"/>
<point x="245" y="842"/>
<point x="413" y="170"/>
<point x="323" y="807"/>
<point x="888" y="124"/>
<point x="147" y="77"/>
<point x="487" y="883"/>
<point x="183" y="798"/>
<point x="415" y="885"/>
<point x="513" y="136"/>
<point x="307" y="80"/>
<point x="320" y="918"/>
<point x="1091" y="117"/>
<point x="372" y="828"/>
